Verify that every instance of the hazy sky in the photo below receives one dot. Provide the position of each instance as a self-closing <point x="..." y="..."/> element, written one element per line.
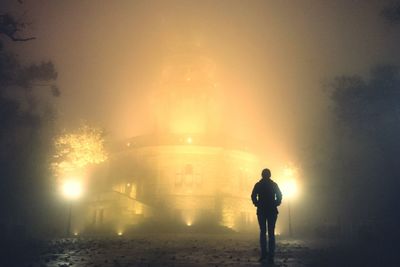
<point x="272" y="58"/>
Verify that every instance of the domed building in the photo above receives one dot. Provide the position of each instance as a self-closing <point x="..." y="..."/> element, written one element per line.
<point x="188" y="169"/>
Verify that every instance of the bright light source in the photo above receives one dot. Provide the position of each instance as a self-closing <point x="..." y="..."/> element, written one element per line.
<point x="189" y="220"/>
<point x="75" y="234"/>
<point x="119" y="233"/>
<point x="72" y="189"/>
<point x="289" y="188"/>
<point x="288" y="172"/>
<point x="189" y="140"/>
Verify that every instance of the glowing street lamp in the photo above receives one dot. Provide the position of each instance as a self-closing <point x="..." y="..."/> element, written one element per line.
<point x="289" y="188"/>
<point x="72" y="189"/>
<point x="290" y="191"/>
<point x="189" y="140"/>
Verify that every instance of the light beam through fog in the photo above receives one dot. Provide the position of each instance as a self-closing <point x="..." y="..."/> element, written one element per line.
<point x="188" y="166"/>
<point x="201" y="93"/>
<point x="148" y="116"/>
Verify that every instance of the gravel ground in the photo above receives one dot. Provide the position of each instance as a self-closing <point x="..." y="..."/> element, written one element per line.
<point x="167" y="250"/>
<point x="190" y="250"/>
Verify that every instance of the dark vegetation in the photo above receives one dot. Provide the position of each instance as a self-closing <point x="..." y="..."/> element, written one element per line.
<point x="367" y="123"/>
<point x="26" y="121"/>
<point x="362" y="171"/>
<point x="357" y="167"/>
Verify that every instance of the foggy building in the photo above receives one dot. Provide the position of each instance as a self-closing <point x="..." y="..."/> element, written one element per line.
<point x="188" y="170"/>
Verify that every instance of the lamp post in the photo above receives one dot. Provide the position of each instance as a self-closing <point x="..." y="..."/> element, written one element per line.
<point x="290" y="191"/>
<point x="290" y="220"/>
<point x="72" y="189"/>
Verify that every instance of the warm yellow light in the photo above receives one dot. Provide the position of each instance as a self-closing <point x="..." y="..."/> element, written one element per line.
<point x="75" y="151"/>
<point x="288" y="172"/>
<point x="228" y="217"/>
<point x="119" y="233"/>
<point x="75" y="234"/>
<point x="189" y="140"/>
<point x="289" y="188"/>
<point x="72" y="189"/>
<point x="139" y="209"/>
<point x="189" y="219"/>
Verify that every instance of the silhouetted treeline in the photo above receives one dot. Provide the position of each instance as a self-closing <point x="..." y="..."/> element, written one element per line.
<point x="391" y="13"/>
<point x="364" y="169"/>
<point x="26" y="122"/>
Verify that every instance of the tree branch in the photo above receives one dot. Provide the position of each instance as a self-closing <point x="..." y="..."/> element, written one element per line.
<point x="16" y="39"/>
<point x="9" y="26"/>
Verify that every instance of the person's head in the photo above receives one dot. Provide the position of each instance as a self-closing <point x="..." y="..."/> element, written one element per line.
<point x="266" y="173"/>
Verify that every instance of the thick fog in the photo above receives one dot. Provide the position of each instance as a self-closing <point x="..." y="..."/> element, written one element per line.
<point x="272" y="58"/>
<point x="275" y="62"/>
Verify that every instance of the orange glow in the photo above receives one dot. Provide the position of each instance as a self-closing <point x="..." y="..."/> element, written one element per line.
<point x="72" y="188"/>
<point x="290" y="188"/>
<point x="74" y="151"/>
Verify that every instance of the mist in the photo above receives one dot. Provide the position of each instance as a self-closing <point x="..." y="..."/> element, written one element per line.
<point x="287" y="85"/>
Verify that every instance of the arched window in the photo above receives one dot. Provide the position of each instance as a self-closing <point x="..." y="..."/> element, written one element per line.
<point x="188" y="175"/>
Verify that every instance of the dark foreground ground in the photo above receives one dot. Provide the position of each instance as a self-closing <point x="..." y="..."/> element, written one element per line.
<point x="187" y="250"/>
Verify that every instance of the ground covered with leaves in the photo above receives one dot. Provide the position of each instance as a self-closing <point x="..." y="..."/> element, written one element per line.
<point x="188" y="250"/>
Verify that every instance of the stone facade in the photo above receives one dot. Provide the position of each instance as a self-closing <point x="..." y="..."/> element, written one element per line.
<point x="187" y="169"/>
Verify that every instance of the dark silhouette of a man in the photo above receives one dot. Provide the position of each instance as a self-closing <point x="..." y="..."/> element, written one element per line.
<point x="266" y="196"/>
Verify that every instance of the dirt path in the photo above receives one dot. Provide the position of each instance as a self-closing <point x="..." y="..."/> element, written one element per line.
<point x="168" y="250"/>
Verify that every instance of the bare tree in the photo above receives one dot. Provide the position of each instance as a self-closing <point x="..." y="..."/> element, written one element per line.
<point x="10" y="27"/>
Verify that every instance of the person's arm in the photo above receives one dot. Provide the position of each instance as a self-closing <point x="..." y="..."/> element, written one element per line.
<point x="278" y="195"/>
<point x="254" y="195"/>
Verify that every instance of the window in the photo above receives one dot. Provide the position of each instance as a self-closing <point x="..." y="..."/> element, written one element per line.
<point x="101" y="216"/>
<point x="94" y="217"/>
<point x="188" y="175"/>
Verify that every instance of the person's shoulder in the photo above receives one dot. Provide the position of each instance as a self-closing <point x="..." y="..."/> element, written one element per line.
<point x="273" y="183"/>
<point x="257" y="184"/>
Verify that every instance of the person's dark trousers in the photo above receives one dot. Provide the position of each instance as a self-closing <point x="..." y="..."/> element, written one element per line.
<point x="263" y="220"/>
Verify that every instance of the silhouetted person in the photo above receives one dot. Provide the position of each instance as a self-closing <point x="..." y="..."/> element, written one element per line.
<point x="266" y="196"/>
